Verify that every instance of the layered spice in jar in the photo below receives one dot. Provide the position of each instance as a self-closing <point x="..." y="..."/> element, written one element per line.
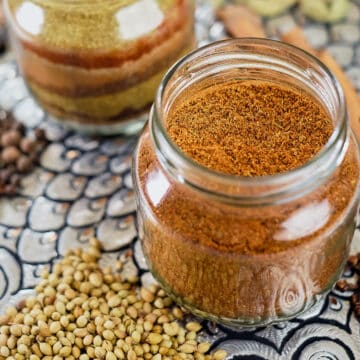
<point x="247" y="182"/>
<point x="96" y="65"/>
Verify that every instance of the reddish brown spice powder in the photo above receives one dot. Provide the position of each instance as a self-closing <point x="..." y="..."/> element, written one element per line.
<point x="250" y="128"/>
<point x="247" y="263"/>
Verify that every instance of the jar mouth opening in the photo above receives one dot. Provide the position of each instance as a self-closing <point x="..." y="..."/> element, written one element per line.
<point x="340" y="125"/>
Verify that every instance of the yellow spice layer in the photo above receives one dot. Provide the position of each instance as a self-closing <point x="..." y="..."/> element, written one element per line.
<point x="100" y="107"/>
<point x="83" y="24"/>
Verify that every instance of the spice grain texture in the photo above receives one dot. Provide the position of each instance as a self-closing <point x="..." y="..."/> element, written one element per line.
<point x="250" y="128"/>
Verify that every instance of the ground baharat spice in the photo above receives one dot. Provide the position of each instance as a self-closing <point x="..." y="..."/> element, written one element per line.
<point x="235" y="128"/>
<point x="246" y="264"/>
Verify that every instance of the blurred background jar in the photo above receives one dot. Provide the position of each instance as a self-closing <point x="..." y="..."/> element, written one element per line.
<point x="95" y="65"/>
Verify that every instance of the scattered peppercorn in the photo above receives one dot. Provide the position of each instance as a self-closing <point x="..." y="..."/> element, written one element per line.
<point x="10" y="154"/>
<point x="24" y="164"/>
<point x="82" y="311"/>
<point x="27" y="145"/>
<point x="40" y="134"/>
<point x="11" y="137"/>
<point x="343" y="285"/>
<point x="19" y="152"/>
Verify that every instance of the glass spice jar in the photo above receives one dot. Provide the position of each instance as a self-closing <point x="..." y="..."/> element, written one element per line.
<point x="96" y="65"/>
<point x="298" y="224"/>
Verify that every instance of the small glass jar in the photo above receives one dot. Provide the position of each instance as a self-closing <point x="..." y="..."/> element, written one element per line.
<point x="298" y="225"/>
<point x="96" y="65"/>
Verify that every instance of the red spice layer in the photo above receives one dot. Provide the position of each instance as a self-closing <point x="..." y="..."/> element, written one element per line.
<point x="132" y="51"/>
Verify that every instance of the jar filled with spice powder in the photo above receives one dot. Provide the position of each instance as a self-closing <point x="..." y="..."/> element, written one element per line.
<point x="96" y="65"/>
<point x="247" y="182"/>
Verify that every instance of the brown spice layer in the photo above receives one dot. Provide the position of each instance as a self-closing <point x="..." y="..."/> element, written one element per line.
<point x="175" y="18"/>
<point x="249" y="128"/>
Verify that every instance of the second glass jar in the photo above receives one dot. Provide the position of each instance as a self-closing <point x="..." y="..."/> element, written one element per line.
<point x="96" y="65"/>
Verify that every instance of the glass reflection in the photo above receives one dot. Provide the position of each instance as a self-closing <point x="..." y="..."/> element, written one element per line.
<point x="305" y="221"/>
<point x="139" y="19"/>
<point x="30" y="17"/>
<point x="157" y="187"/>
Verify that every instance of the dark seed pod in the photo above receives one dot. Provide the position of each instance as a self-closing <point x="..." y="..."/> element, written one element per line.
<point x="24" y="164"/>
<point x="6" y="174"/>
<point x="27" y="145"/>
<point x="40" y="134"/>
<point x="10" y="137"/>
<point x="15" y="179"/>
<point x="10" y="189"/>
<point x="10" y="155"/>
<point x="19" y="127"/>
<point x="353" y="260"/>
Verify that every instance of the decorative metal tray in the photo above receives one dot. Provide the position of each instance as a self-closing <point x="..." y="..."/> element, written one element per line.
<point x="82" y="188"/>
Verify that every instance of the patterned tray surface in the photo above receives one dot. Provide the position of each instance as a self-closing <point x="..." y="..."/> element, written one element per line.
<point x="82" y="188"/>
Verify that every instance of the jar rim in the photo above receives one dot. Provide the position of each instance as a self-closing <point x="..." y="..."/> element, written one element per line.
<point x="161" y="137"/>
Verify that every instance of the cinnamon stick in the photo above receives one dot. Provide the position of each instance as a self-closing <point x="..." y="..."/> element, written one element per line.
<point x="241" y="21"/>
<point x="296" y="37"/>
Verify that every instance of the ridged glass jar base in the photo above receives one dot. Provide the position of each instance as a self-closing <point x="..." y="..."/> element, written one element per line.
<point x="240" y="322"/>
<point x="127" y="128"/>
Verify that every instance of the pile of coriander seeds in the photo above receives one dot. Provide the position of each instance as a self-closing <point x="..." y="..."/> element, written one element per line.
<point x="82" y="311"/>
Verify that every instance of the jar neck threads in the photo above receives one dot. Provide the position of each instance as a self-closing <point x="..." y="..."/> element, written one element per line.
<point x="251" y="59"/>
